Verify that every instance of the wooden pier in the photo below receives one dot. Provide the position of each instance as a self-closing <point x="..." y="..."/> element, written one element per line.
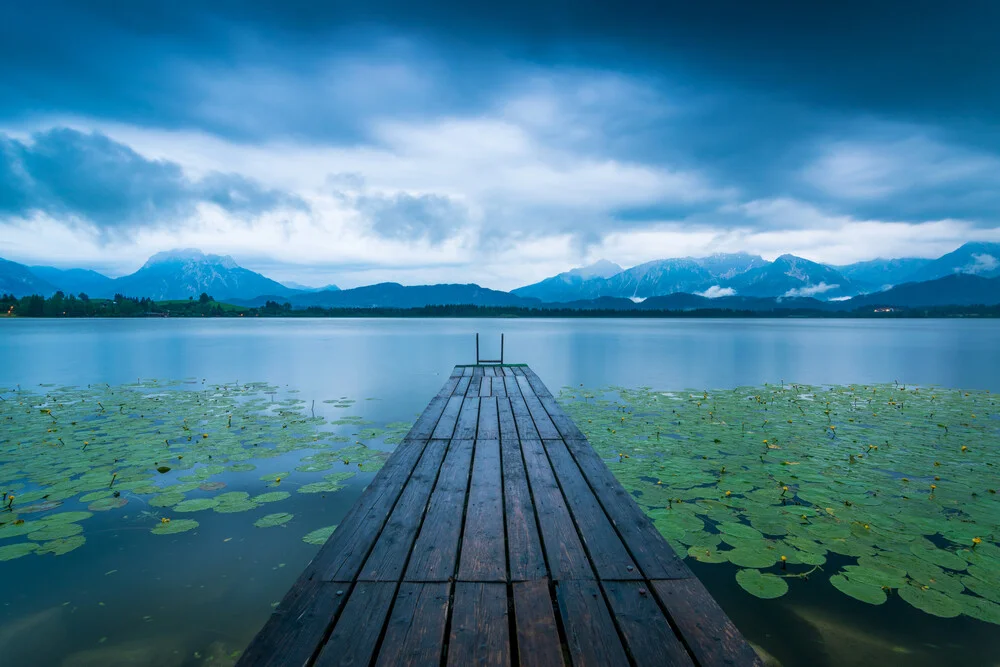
<point x="495" y="535"/>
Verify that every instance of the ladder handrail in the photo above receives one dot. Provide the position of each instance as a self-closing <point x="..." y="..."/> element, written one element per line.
<point x="489" y="361"/>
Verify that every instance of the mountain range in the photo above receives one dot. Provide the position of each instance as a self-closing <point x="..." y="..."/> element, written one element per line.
<point x="967" y="276"/>
<point x="170" y="275"/>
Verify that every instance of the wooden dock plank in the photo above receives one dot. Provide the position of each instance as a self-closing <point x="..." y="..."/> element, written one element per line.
<point x="563" y="550"/>
<point x="355" y="636"/>
<point x="479" y="626"/>
<point x="590" y="632"/>
<point x="392" y="549"/>
<point x="537" y="632"/>
<point x="609" y="556"/>
<point x="524" y="547"/>
<point x="468" y="418"/>
<point x="489" y="419"/>
<point x="494" y="491"/>
<point x="445" y="427"/>
<point x="508" y="428"/>
<point x="709" y="633"/>
<point x="415" y="633"/>
<point x="543" y="423"/>
<point x="522" y="417"/>
<point x="648" y="636"/>
<point x="435" y="553"/>
<point x="462" y="388"/>
<point x="483" y="553"/>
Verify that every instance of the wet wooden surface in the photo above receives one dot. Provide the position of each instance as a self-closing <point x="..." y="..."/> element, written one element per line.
<point x="495" y="535"/>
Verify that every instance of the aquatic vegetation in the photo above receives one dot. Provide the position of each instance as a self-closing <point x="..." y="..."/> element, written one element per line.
<point x="898" y="481"/>
<point x="270" y="520"/>
<point x="174" y="526"/>
<point x="161" y="445"/>
<point x="319" y="536"/>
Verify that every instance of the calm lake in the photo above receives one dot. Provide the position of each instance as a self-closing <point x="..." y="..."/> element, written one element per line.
<point x="196" y="598"/>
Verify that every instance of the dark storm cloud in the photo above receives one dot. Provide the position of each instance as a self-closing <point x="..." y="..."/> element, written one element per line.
<point x="922" y="59"/>
<point x="66" y="172"/>
<point x="757" y="92"/>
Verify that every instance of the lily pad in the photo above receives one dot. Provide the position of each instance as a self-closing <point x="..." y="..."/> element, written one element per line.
<point x="766" y="586"/>
<point x="174" y="526"/>
<point x="62" y="546"/>
<point x="12" y="551"/>
<point x="931" y="601"/>
<point x="271" y="497"/>
<point x="107" y="504"/>
<point x="196" y="505"/>
<point x="319" y="536"/>
<point x="859" y="590"/>
<point x="55" y="531"/>
<point x="270" y="520"/>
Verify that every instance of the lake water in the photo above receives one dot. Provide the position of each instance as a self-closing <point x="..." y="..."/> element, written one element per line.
<point x="126" y="597"/>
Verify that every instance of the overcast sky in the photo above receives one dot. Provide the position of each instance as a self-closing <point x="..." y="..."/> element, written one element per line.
<point x="433" y="141"/>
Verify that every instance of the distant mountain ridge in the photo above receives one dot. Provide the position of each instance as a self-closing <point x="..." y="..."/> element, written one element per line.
<point x="733" y="280"/>
<point x="169" y="275"/>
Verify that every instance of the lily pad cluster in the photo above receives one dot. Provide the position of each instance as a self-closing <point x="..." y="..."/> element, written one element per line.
<point x="899" y="481"/>
<point x="65" y="449"/>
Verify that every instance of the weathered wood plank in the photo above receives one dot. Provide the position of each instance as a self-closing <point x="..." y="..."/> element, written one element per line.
<point x="590" y="633"/>
<point x="468" y="418"/>
<point x="489" y="371"/>
<point x="609" y="556"/>
<point x="709" y="633"/>
<point x="462" y="388"/>
<point x="449" y="417"/>
<point x="546" y="429"/>
<point x="497" y="386"/>
<point x="508" y="428"/>
<point x="564" y="552"/>
<point x="538" y="642"/>
<point x="489" y="420"/>
<point x="486" y="387"/>
<point x="467" y="371"/>
<point x="295" y="630"/>
<point x="415" y="633"/>
<point x="479" y="626"/>
<point x="355" y="636"/>
<point x="435" y="553"/>
<point x="522" y="417"/>
<point x="648" y="636"/>
<point x="483" y="554"/>
<point x="388" y="557"/>
<point x="524" y="547"/>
